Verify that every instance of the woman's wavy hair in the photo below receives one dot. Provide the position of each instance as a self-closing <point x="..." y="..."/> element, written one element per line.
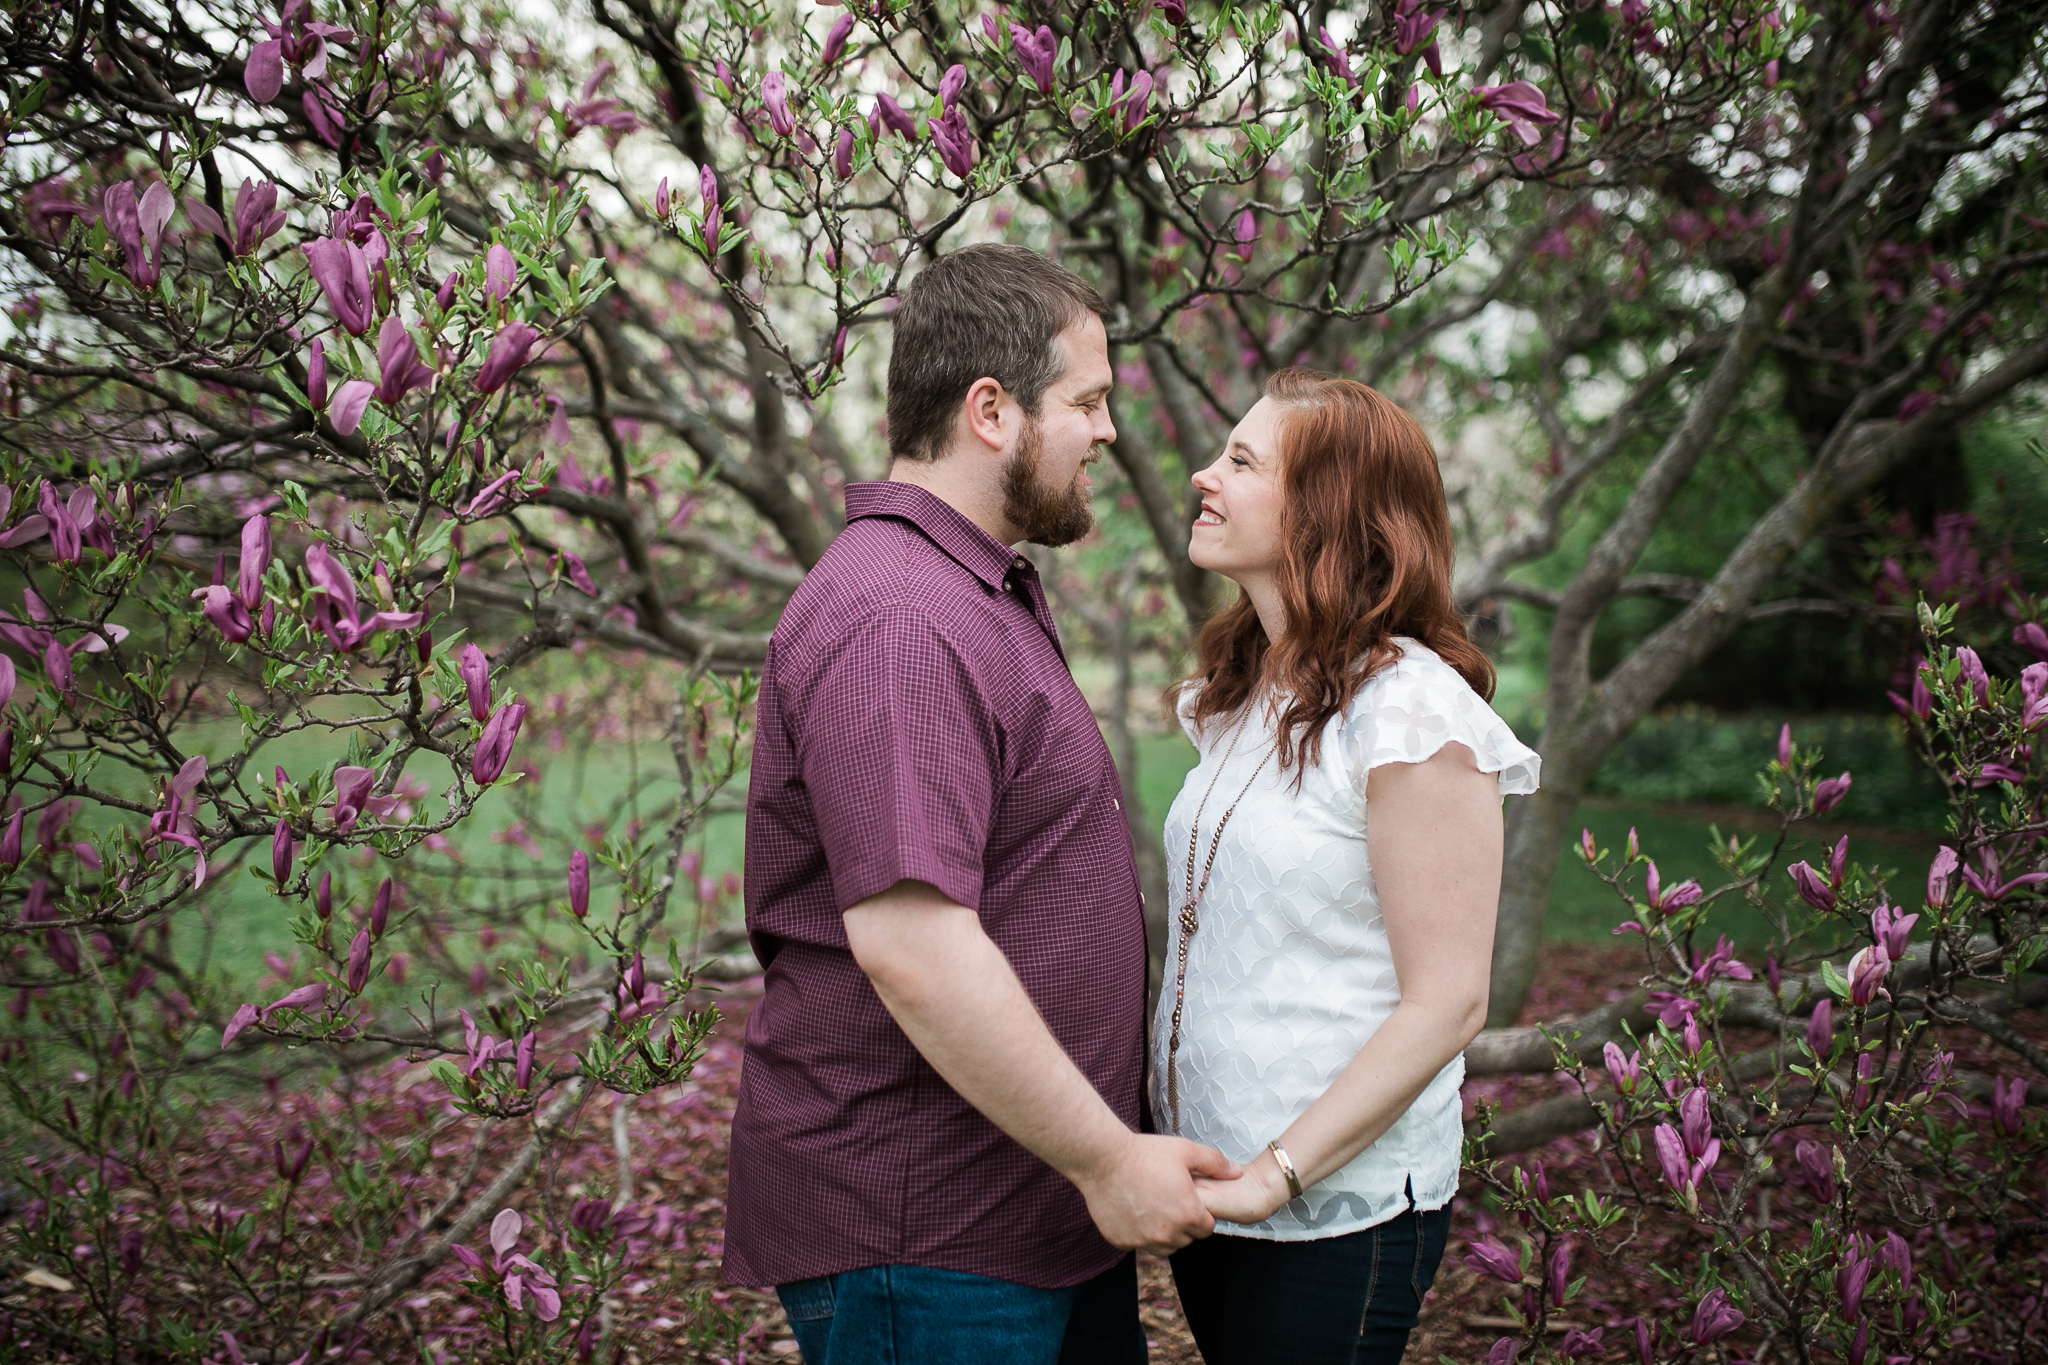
<point x="1365" y="555"/>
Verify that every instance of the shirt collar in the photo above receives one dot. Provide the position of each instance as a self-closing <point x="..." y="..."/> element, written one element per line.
<point x="976" y="551"/>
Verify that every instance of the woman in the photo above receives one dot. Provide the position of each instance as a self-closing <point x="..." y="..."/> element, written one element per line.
<point x="1325" y="971"/>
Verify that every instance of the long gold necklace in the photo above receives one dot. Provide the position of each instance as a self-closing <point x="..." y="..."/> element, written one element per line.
<point x="1193" y="894"/>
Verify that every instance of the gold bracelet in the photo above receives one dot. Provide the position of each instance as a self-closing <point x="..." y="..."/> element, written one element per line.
<point x="1286" y="1168"/>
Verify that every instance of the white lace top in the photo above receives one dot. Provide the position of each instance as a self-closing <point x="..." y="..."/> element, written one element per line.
<point x="1290" y="971"/>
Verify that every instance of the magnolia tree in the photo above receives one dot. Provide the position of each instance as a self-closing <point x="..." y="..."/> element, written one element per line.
<point x="1855" y="1192"/>
<point x="369" y="372"/>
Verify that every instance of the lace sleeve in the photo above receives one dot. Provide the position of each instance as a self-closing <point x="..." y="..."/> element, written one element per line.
<point x="1419" y="704"/>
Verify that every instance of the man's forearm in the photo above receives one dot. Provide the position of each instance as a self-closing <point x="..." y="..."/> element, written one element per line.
<point x="959" y="1001"/>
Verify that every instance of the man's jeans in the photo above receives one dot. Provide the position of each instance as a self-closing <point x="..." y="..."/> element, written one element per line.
<point x="914" y="1315"/>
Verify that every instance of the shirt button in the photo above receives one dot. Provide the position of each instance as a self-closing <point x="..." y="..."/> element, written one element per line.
<point x="1006" y="585"/>
<point x="1114" y="802"/>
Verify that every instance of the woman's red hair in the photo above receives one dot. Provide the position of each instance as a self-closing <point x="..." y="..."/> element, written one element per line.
<point x="1365" y="555"/>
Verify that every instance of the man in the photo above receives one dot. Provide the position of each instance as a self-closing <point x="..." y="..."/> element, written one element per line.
<point x="936" y="1155"/>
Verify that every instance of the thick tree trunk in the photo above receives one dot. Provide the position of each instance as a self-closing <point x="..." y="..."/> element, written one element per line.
<point x="1536" y="830"/>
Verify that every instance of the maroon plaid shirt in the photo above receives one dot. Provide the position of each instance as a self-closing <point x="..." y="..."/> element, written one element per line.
<point x="917" y="720"/>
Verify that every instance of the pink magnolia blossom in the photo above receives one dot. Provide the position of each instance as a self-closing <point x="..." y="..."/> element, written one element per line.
<point x="1714" y="1318"/>
<point x="510" y="350"/>
<point x="351" y="401"/>
<point x="1625" y="1072"/>
<point x="475" y="671"/>
<point x="380" y="908"/>
<point x="2008" y="1097"/>
<point x="590" y="111"/>
<point x="352" y="786"/>
<point x="1812" y="887"/>
<point x="1820" y="1028"/>
<point x="255" y="559"/>
<point x="1890" y="926"/>
<point x="308" y="997"/>
<point x="1036" y="53"/>
<point x="1491" y="1258"/>
<point x="1247" y="233"/>
<point x="323" y="114"/>
<point x="1813" y="1169"/>
<point x="1413" y="29"/>
<point x="244" y="1016"/>
<point x="579" y="883"/>
<point x="775" y="98"/>
<point x="138" y="226"/>
<point x="501" y="271"/>
<point x="714" y="220"/>
<point x="1938" y="873"/>
<point x="263" y="71"/>
<point x="842" y="154"/>
<point x="333" y="606"/>
<point x="1829" y="793"/>
<point x="577" y="573"/>
<point x="358" y="966"/>
<point x="835" y="39"/>
<point x="2032" y="638"/>
<point x="494" y="747"/>
<point x="894" y="117"/>
<point x="955" y="141"/>
<point x="400" y="369"/>
<point x="1866" y="973"/>
<point x="226" y="613"/>
<point x="342" y="271"/>
<point x="175" y="820"/>
<point x="1558" y="1272"/>
<point x="2033" y="696"/>
<point x="281" y="848"/>
<point x="256" y="215"/>
<point x="1138" y="102"/>
<point x="1721" y="962"/>
<point x="1972" y="675"/>
<point x="1518" y="104"/>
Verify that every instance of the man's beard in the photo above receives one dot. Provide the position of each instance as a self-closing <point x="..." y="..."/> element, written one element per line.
<point x="1043" y="516"/>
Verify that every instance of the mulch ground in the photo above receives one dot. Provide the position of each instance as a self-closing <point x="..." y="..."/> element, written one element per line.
<point x="1462" y="1318"/>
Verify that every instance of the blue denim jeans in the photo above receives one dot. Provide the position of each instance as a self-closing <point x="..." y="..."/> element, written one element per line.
<point x="1349" y="1300"/>
<point x="911" y="1315"/>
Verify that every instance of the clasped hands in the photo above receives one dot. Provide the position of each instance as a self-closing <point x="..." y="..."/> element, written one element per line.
<point x="1156" y="1194"/>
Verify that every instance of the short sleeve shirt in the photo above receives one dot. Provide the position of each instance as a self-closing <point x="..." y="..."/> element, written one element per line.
<point x="916" y="720"/>
<point x="1290" y="970"/>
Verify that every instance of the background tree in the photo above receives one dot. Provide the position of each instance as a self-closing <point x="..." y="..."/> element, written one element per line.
<point x="369" y="373"/>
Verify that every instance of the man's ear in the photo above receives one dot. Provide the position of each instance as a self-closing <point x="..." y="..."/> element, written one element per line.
<point x="986" y="413"/>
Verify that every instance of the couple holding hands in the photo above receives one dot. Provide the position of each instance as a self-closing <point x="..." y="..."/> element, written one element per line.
<point x="955" y="1126"/>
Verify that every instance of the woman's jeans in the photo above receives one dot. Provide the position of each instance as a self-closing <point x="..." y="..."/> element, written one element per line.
<point x="1349" y="1300"/>
<point x="915" y="1315"/>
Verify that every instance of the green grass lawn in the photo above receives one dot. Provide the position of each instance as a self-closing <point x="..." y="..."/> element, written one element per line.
<point x="613" y="782"/>
<point x="1583" y="908"/>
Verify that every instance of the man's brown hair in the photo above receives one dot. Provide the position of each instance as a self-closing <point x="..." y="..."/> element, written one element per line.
<point x="986" y="311"/>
